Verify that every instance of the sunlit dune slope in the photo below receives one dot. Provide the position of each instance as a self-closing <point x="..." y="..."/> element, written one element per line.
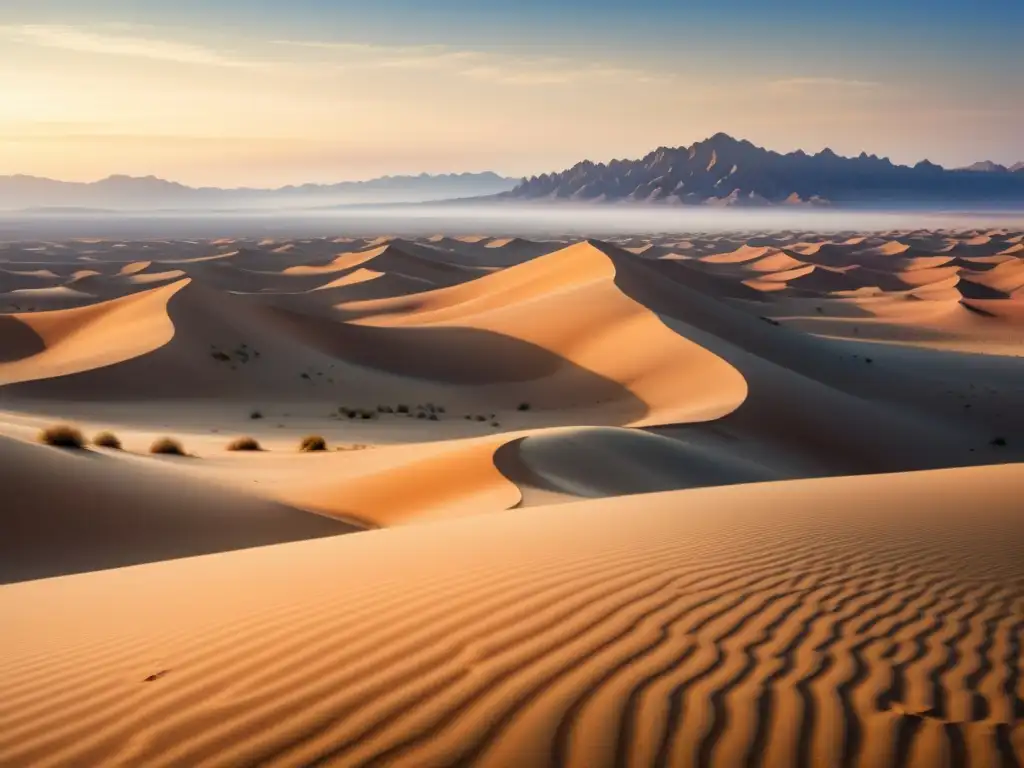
<point x="865" y="621"/>
<point x="43" y="345"/>
<point x="568" y="303"/>
<point x="555" y="332"/>
<point x="437" y="482"/>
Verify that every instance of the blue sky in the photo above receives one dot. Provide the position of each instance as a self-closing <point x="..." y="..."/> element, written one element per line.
<point x="259" y="91"/>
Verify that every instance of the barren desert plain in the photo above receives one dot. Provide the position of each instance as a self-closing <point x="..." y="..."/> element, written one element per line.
<point x="693" y="500"/>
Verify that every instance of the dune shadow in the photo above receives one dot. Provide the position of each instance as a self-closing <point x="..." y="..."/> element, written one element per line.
<point x="464" y="357"/>
<point x="816" y="407"/>
<point x="17" y="340"/>
<point x="104" y="514"/>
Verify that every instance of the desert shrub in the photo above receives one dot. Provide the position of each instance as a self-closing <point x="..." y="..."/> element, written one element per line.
<point x="524" y="407"/>
<point x="107" y="440"/>
<point x="167" y="446"/>
<point x="304" y="376"/>
<point x="480" y="417"/>
<point x="221" y="357"/>
<point x="434" y="417"/>
<point x="244" y="444"/>
<point x="312" y="444"/>
<point x="255" y="415"/>
<point x="402" y="408"/>
<point x="367" y="414"/>
<point x="62" y="436"/>
<point x="999" y="442"/>
<point x="421" y="414"/>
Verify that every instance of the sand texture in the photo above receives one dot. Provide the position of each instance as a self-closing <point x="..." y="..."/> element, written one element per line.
<point x="686" y="500"/>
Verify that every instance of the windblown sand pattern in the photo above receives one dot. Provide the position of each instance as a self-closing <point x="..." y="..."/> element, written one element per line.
<point x="682" y="500"/>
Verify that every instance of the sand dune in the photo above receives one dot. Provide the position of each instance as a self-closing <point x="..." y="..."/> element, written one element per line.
<point x="675" y="379"/>
<point x="695" y="627"/>
<point x="653" y="500"/>
<point x="66" y="342"/>
<point x="597" y="462"/>
<point x="107" y="511"/>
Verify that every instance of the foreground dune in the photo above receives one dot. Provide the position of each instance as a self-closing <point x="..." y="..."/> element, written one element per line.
<point x="862" y="621"/>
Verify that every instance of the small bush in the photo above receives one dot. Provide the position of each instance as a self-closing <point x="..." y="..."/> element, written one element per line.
<point x="313" y="444"/>
<point x="244" y="444"/>
<point x="402" y="408"/>
<point x="999" y="442"/>
<point x="62" y="436"/>
<point x="524" y="407"/>
<point x="421" y="415"/>
<point x="221" y="357"/>
<point x="480" y="417"/>
<point x="167" y="446"/>
<point x="107" y="440"/>
<point x="255" y="415"/>
<point x="434" y="417"/>
<point x="367" y="415"/>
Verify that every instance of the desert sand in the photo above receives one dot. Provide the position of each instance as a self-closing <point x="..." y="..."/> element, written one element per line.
<point x="682" y="500"/>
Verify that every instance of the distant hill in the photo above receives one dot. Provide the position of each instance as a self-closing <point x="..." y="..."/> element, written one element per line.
<point x="151" y="193"/>
<point x="726" y="171"/>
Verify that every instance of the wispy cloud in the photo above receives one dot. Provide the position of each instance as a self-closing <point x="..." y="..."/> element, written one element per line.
<point x="498" y="67"/>
<point x="118" y="40"/>
<point x="823" y="83"/>
<point x="489" y="66"/>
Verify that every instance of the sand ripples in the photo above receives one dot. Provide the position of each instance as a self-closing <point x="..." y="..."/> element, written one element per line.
<point x="652" y="637"/>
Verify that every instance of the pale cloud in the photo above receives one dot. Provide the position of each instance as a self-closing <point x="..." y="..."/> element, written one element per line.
<point x="118" y="40"/>
<point x="823" y="83"/>
<point x="489" y="66"/>
<point x="497" y="67"/>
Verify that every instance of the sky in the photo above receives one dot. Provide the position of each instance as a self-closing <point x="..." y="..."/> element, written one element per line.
<point x="267" y="93"/>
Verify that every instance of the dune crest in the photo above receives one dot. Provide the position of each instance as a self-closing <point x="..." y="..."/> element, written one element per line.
<point x="99" y="335"/>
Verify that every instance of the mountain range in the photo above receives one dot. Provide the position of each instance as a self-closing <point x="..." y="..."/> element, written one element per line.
<point x="726" y="171"/>
<point x="719" y="171"/>
<point x="152" y="193"/>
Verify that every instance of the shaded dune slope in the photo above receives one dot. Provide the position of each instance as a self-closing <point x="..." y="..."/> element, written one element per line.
<point x="717" y="627"/>
<point x="804" y="392"/>
<point x="601" y="461"/>
<point x="108" y="511"/>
